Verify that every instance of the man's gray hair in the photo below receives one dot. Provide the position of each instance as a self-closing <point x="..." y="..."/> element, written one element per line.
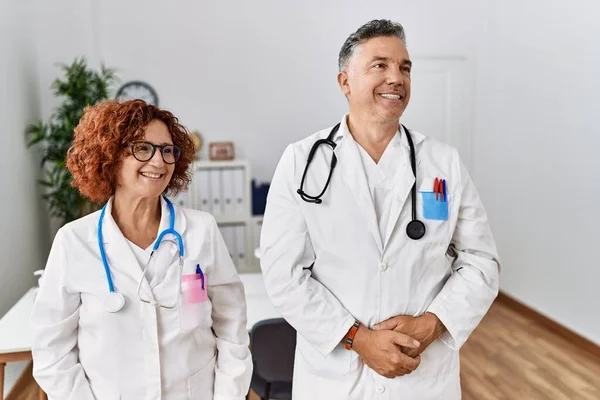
<point x="372" y="29"/>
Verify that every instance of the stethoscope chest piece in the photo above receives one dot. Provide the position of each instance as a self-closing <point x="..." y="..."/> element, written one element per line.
<point x="114" y="302"/>
<point x="415" y="229"/>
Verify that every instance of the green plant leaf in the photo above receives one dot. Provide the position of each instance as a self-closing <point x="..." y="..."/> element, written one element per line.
<point x="78" y="87"/>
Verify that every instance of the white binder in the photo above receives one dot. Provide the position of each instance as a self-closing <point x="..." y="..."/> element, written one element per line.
<point x="240" y="191"/>
<point x="216" y="192"/>
<point x="228" y="185"/>
<point x="228" y="233"/>
<point x="201" y="200"/>
<point x="181" y="200"/>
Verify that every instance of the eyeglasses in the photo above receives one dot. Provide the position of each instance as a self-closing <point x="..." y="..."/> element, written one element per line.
<point x="144" y="151"/>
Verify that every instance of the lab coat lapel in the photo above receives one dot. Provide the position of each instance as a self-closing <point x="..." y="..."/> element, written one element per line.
<point x="167" y="255"/>
<point x="353" y="174"/>
<point x="403" y="182"/>
<point x="120" y="255"/>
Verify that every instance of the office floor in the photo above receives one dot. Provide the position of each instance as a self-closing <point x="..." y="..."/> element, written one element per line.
<point x="511" y="357"/>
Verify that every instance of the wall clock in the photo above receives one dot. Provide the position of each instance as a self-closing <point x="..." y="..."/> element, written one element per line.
<point x="137" y="90"/>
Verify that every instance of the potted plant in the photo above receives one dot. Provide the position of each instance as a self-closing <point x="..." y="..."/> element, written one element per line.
<point x="80" y="87"/>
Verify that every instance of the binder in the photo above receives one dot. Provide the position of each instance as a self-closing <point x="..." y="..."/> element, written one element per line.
<point x="202" y="196"/>
<point x="240" y="191"/>
<point x="228" y="185"/>
<point x="230" y="241"/>
<point x="216" y="192"/>
<point x="181" y="200"/>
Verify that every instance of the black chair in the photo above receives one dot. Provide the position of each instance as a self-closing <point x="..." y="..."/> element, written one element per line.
<point x="273" y="344"/>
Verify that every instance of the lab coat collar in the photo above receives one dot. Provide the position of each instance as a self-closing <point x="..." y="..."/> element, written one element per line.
<point x="353" y="174"/>
<point x="344" y="131"/>
<point x="350" y="163"/>
<point x="180" y="222"/>
<point x="167" y="255"/>
<point x="404" y="178"/>
<point x="120" y="254"/>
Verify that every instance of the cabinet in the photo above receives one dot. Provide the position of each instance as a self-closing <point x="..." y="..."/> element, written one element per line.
<point x="223" y="189"/>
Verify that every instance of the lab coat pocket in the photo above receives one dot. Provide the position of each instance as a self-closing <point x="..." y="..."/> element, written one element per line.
<point x="193" y="288"/>
<point x="437" y="360"/>
<point x="337" y="365"/>
<point x="101" y="395"/>
<point x="434" y="211"/>
<point x="434" y="208"/>
<point x="194" y="305"/>
<point x="434" y="199"/>
<point x="201" y="385"/>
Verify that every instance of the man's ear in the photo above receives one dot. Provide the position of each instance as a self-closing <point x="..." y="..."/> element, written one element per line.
<point x="342" y="78"/>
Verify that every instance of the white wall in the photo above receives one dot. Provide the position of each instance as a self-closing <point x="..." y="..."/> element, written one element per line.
<point x="23" y="238"/>
<point x="263" y="74"/>
<point x="535" y="154"/>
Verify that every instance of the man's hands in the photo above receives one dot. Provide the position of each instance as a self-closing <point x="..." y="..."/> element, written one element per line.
<point x="425" y="328"/>
<point x="381" y="350"/>
<point x="394" y="346"/>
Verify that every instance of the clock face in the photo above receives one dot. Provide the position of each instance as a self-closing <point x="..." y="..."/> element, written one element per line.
<point x="138" y="90"/>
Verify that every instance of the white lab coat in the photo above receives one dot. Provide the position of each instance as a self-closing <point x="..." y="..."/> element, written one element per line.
<point x="453" y="271"/>
<point x="82" y="352"/>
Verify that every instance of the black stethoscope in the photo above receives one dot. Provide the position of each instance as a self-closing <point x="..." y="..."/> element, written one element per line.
<point x="415" y="228"/>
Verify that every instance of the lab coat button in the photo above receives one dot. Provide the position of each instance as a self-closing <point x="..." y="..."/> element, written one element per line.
<point x="380" y="389"/>
<point x="383" y="266"/>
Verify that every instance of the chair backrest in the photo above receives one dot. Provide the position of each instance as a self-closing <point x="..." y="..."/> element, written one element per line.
<point x="273" y="344"/>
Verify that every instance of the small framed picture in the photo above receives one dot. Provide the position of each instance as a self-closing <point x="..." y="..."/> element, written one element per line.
<point x="221" y="151"/>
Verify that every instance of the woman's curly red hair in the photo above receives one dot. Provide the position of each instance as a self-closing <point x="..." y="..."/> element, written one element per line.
<point x="102" y="138"/>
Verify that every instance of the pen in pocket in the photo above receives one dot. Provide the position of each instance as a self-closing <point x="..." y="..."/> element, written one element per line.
<point x="199" y="272"/>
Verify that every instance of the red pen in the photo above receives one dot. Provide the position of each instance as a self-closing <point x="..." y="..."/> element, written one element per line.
<point x="436" y="189"/>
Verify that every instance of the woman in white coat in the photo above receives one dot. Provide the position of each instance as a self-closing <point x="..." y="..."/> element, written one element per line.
<point x="110" y="321"/>
<point x="351" y="267"/>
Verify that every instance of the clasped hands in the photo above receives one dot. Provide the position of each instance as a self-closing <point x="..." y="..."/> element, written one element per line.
<point x="392" y="348"/>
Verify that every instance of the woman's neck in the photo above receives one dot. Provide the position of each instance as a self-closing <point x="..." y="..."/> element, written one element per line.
<point x="137" y="218"/>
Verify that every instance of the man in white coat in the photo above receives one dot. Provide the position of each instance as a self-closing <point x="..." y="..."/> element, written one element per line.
<point x="351" y="268"/>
